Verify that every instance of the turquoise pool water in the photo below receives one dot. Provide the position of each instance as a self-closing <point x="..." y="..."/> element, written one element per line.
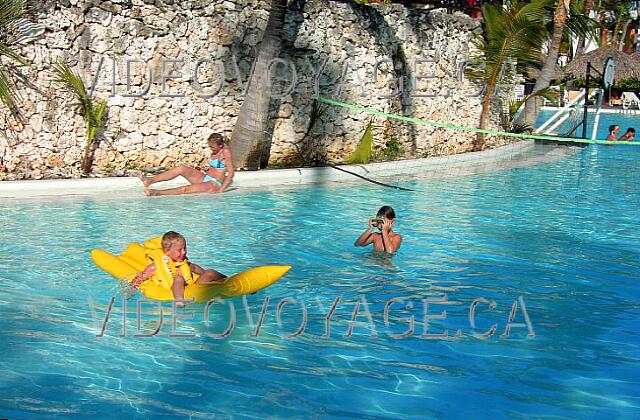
<point x="624" y="120"/>
<point x="562" y="237"/>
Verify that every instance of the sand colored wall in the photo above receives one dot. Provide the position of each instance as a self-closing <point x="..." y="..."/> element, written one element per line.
<point x="204" y="51"/>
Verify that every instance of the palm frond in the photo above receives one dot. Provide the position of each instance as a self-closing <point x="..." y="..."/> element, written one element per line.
<point x="508" y="116"/>
<point x="72" y="81"/>
<point x="10" y="11"/>
<point x="6" y="51"/>
<point x="546" y="93"/>
<point x="98" y="113"/>
<point x="516" y="33"/>
<point x="92" y="109"/>
<point x="582" y="26"/>
<point x="64" y="75"/>
<point x="474" y="72"/>
<point x="7" y="91"/>
<point x="363" y="151"/>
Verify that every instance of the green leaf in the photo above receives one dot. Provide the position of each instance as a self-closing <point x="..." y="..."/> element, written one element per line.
<point x="363" y="151"/>
<point x="92" y="109"/>
<point x="10" y="12"/>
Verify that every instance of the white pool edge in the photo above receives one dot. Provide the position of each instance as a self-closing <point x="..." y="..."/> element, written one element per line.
<point x="266" y="178"/>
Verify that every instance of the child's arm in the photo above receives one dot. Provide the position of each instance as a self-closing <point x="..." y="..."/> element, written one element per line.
<point x="144" y="275"/>
<point x="229" y="170"/>
<point x="367" y="236"/>
<point x="195" y="268"/>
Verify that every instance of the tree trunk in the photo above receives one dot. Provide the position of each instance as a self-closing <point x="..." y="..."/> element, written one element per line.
<point x="250" y="131"/>
<point x="616" y="30"/>
<point x="86" y="162"/>
<point x="532" y="107"/>
<point x="478" y="142"/>
<point x="91" y="144"/>
<point x="588" y="7"/>
<point x="621" y="45"/>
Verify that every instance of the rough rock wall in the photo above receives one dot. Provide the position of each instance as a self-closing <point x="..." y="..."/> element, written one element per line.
<point x="174" y="71"/>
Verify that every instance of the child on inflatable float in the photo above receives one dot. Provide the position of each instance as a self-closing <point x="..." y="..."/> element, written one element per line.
<point x="172" y="269"/>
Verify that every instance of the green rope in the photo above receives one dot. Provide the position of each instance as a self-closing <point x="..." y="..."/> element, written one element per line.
<point x="463" y="128"/>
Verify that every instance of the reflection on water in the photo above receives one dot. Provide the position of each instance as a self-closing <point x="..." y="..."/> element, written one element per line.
<point x="377" y="258"/>
<point x="562" y="236"/>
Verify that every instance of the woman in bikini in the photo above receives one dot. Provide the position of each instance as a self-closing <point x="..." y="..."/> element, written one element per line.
<point x="216" y="179"/>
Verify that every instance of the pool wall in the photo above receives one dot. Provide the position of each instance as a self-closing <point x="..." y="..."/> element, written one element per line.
<point x="330" y="47"/>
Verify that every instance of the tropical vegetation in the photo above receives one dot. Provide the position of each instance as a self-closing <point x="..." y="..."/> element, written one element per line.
<point x="511" y="40"/>
<point x="524" y="36"/>
<point x="11" y="11"/>
<point x="92" y="109"/>
<point x="628" y="84"/>
<point x="364" y="149"/>
<point x="615" y="20"/>
<point x="509" y="112"/>
<point x="565" y="22"/>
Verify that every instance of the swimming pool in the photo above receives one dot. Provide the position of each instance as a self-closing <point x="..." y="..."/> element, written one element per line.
<point x="623" y="119"/>
<point x="561" y="237"/>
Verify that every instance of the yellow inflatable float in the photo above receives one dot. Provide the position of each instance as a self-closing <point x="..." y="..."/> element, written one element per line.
<point x="136" y="257"/>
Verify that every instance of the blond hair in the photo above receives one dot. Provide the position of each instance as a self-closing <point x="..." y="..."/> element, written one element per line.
<point x="169" y="238"/>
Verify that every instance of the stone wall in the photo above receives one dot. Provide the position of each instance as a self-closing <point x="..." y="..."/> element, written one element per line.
<point x="204" y="51"/>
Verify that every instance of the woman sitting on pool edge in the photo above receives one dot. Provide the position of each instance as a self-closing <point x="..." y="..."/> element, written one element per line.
<point x="216" y="179"/>
<point x="385" y="241"/>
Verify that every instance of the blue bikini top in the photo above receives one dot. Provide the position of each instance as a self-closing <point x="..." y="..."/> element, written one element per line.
<point x="216" y="164"/>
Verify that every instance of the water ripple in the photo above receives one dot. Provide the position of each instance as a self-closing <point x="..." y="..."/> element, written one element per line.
<point x="561" y="236"/>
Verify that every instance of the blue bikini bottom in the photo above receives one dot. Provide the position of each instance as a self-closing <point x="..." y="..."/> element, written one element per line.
<point x="208" y="178"/>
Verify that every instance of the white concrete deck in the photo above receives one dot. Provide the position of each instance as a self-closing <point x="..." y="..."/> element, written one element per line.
<point x="523" y="153"/>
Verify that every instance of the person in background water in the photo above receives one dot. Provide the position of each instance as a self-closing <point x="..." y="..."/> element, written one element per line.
<point x="386" y="240"/>
<point x="614" y="130"/>
<point x="630" y="135"/>
<point x="215" y="179"/>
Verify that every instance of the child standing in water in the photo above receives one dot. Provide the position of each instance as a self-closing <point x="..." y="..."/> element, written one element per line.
<point x="386" y="240"/>
<point x="630" y="135"/>
<point x="614" y="130"/>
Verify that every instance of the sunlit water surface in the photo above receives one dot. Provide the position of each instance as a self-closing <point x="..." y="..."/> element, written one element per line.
<point x="562" y="238"/>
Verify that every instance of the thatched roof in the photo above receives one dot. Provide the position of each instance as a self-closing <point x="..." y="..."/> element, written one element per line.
<point x="627" y="66"/>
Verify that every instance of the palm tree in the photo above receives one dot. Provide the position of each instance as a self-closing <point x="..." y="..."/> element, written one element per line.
<point x="560" y="16"/>
<point x="511" y="35"/>
<point x="588" y="6"/>
<point x="510" y="110"/>
<point x="93" y="110"/>
<point x="10" y="12"/>
<point x="614" y="15"/>
<point x="564" y="25"/>
<point x="622" y="23"/>
<point x="250" y="132"/>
